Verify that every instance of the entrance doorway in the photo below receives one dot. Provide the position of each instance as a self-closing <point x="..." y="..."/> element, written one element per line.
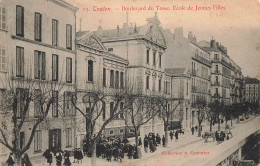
<point x="55" y="140"/>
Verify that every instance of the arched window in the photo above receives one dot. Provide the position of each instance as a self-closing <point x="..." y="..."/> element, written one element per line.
<point x="90" y="70"/>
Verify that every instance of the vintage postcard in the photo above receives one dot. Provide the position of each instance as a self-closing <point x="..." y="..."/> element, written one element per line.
<point x="129" y="82"/>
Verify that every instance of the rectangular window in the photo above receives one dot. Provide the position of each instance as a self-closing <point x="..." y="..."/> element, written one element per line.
<point x="90" y="71"/>
<point x="3" y="18"/>
<point x="122" y="80"/>
<point x="111" y="109"/>
<point x="187" y="92"/>
<point x="68" y="105"/>
<point x="68" y="137"/>
<point x="117" y="79"/>
<point x="154" y="57"/>
<point x="54" y="32"/>
<point x="2" y="59"/>
<point x="22" y="95"/>
<point x="39" y="65"/>
<point x="104" y="110"/>
<point x="20" y="21"/>
<point x="38" y="27"/>
<point x="147" y="55"/>
<point x="37" y="141"/>
<point x="147" y="82"/>
<point x="104" y="77"/>
<point x="112" y="78"/>
<point x="153" y="84"/>
<point x="55" y="104"/>
<point x="110" y="49"/>
<point x="160" y="85"/>
<point x="19" y="61"/>
<point x="68" y="36"/>
<point x="37" y="103"/>
<point x="69" y="70"/>
<point x="160" y="60"/>
<point x="55" y="67"/>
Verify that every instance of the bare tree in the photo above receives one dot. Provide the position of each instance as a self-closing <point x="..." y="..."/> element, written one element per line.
<point x="167" y="107"/>
<point x="16" y="101"/>
<point x="93" y="107"/>
<point x="200" y="105"/>
<point x="139" y="110"/>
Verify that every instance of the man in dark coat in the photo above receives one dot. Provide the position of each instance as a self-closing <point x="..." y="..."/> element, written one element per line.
<point x="192" y="130"/>
<point x="48" y="155"/>
<point x="58" y="159"/>
<point x="10" y="160"/>
<point x="139" y="141"/>
<point x="171" y="135"/>
<point x="163" y="140"/>
<point x="80" y="155"/>
<point x="158" y="139"/>
<point x="26" y="161"/>
<point x="176" y="135"/>
<point x="146" y="143"/>
<point x="67" y="159"/>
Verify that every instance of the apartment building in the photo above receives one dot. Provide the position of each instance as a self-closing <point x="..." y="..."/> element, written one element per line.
<point x="252" y="90"/>
<point x="226" y="76"/>
<point x="38" y="46"/>
<point x="186" y="53"/>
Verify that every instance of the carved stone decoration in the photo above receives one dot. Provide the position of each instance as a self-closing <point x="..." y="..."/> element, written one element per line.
<point x="154" y="74"/>
<point x="90" y="57"/>
<point x="148" y="72"/>
<point x="160" y="75"/>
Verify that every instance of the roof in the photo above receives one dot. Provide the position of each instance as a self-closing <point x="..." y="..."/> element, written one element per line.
<point x="176" y="71"/>
<point x="249" y="80"/>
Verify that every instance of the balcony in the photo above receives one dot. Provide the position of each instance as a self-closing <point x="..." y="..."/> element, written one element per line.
<point x="202" y="60"/>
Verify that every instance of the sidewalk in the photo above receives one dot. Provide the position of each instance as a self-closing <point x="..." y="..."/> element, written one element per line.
<point x="184" y="140"/>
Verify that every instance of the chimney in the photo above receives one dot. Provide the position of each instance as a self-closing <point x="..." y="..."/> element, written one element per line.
<point x="213" y="44"/>
<point x="217" y="44"/>
<point x="178" y="33"/>
<point x="190" y="36"/>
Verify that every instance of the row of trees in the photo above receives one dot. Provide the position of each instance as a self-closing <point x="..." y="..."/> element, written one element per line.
<point x="137" y="109"/>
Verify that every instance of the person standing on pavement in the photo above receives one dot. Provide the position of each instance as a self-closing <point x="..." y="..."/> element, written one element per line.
<point x="10" y="160"/>
<point x="58" y="159"/>
<point x="163" y="140"/>
<point x="67" y="159"/>
<point x="26" y="161"/>
<point x="192" y="130"/>
<point x="176" y="135"/>
<point x="171" y="135"/>
<point x="146" y="143"/>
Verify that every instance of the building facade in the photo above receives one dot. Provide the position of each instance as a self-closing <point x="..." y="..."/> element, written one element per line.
<point x="39" y="48"/>
<point x="252" y="90"/>
<point x="226" y="77"/>
<point x="180" y="90"/>
<point x="186" y="53"/>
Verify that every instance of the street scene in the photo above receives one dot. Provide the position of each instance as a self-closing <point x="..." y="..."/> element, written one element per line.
<point x="136" y="94"/>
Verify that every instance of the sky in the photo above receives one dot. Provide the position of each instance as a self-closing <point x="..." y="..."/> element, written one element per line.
<point x="236" y="25"/>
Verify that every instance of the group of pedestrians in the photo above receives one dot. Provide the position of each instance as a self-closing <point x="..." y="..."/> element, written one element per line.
<point x="176" y="134"/>
<point x="59" y="155"/>
<point x="151" y="141"/>
<point x="193" y="129"/>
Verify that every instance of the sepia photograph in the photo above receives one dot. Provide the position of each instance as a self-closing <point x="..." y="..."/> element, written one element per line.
<point x="130" y="82"/>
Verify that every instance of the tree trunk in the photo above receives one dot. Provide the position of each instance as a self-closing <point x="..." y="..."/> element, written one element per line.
<point x="93" y="156"/>
<point x="166" y="135"/>
<point x="210" y="125"/>
<point x="199" y="133"/>
<point x="218" y="124"/>
<point x="136" y="139"/>
<point x="17" y="160"/>
<point x="231" y="121"/>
